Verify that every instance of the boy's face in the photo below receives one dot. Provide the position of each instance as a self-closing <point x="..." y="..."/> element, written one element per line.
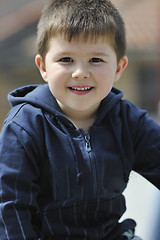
<point x="80" y="74"/>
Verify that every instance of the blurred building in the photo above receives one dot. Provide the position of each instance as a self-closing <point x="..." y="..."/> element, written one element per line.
<point x="18" y="21"/>
<point x="142" y="83"/>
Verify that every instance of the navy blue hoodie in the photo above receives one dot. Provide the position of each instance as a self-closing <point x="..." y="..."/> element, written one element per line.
<point x="58" y="182"/>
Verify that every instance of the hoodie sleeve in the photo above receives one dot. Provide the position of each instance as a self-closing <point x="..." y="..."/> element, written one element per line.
<point x="19" y="174"/>
<point x="146" y="140"/>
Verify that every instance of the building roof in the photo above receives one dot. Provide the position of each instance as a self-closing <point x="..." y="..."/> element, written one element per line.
<point x="142" y="21"/>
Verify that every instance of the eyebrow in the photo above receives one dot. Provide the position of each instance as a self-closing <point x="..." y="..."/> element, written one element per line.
<point x="100" y="54"/>
<point x="92" y="53"/>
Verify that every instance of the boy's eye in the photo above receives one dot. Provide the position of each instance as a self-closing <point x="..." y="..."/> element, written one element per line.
<point x="96" y="60"/>
<point x="66" y="59"/>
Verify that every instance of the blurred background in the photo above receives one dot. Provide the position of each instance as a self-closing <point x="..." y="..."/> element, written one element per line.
<point x="140" y="82"/>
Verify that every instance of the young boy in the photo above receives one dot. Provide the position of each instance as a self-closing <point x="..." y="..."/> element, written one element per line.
<point x="67" y="147"/>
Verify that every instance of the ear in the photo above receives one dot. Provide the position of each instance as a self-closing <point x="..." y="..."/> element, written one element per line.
<point x="121" y="67"/>
<point x="41" y="66"/>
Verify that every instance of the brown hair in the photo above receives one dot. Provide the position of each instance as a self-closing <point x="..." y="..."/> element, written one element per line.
<point x="87" y="18"/>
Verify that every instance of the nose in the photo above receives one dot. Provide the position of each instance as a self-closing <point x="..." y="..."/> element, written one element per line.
<point x="80" y="72"/>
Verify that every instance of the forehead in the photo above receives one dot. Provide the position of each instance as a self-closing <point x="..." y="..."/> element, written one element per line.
<point x="59" y="47"/>
<point x="60" y="41"/>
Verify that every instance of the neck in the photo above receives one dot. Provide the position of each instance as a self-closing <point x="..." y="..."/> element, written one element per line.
<point x="81" y="119"/>
<point x="83" y="124"/>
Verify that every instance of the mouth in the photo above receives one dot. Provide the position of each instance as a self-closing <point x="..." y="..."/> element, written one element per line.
<point x="80" y="90"/>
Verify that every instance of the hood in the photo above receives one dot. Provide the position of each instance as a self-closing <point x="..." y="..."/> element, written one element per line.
<point x="40" y="96"/>
<point x="36" y="95"/>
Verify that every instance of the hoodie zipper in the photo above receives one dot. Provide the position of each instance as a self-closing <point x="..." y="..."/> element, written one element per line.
<point x="92" y="161"/>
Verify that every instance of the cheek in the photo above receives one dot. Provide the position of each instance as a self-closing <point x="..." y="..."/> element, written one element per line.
<point x="103" y="76"/>
<point x="57" y="80"/>
<point x="58" y="75"/>
<point x="105" y="80"/>
<point x="107" y="75"/>
<point x="99" y="73"/>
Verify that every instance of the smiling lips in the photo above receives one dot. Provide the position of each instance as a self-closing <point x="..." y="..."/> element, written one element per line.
<point x="81" y="90"/>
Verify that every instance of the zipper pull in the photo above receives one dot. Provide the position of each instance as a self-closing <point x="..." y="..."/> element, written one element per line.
<point x="79" y="178"/>
<point x="88" y="145"/>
